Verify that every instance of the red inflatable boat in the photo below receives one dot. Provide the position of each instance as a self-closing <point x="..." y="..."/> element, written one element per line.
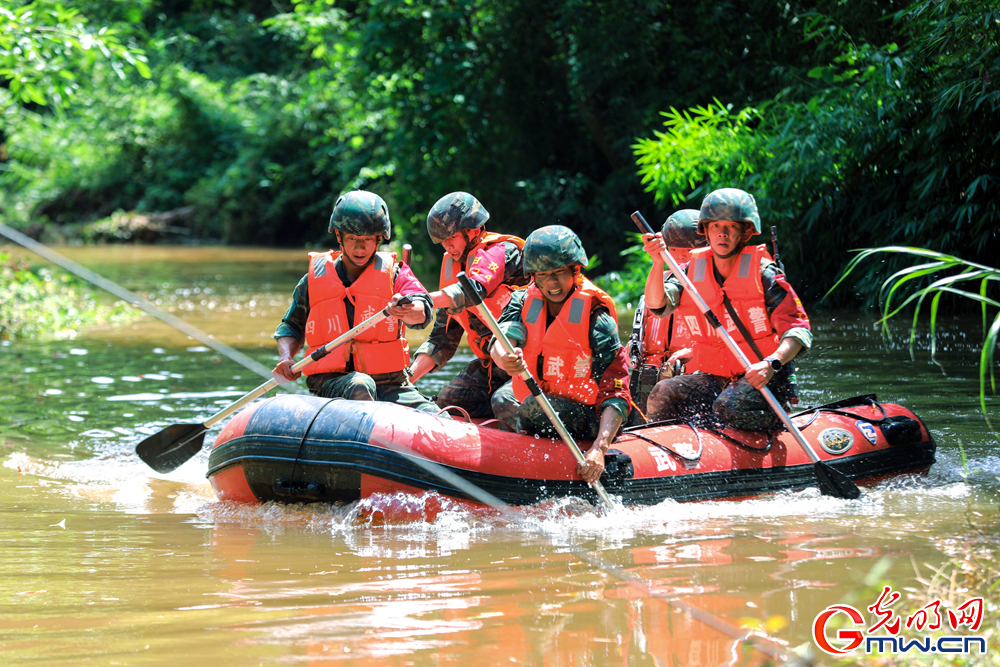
<point x="303" y="448"/>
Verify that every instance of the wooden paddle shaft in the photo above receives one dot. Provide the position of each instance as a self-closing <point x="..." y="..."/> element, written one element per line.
<point x="317" y="354"/>
<point x="525" y="375"/>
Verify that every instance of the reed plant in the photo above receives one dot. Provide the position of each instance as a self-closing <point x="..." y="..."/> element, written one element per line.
<point x="937" y="275"/>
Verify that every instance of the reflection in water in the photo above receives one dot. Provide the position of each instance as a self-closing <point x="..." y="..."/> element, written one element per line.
<point x="108" y="562"/>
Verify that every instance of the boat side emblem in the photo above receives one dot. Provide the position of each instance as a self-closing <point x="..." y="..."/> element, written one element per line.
<point x="867" y="430"/>
<point x="835" y="440"/>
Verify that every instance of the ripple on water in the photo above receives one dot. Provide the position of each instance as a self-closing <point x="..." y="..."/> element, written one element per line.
<point x="567" y="520"/>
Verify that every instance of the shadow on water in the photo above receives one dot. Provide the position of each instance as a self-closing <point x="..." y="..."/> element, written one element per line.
<point x="110" y="559"/>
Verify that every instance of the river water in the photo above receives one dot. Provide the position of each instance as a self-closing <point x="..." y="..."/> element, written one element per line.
<point x="107" y="563"/>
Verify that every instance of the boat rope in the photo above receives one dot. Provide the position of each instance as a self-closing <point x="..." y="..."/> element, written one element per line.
<point x="305" y="435"/>
<point x="725" y="436"/>
<point x="740" y="636"/>
<point x="689" y="459"/>
<point x="134" y="299"/>
<point x="843" y="413"/>
<point x="637" y="408"/>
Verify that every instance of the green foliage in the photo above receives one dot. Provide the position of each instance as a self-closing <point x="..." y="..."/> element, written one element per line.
<point x="942" y="275"/>
<point x="43" y="302"/>
<point x="885" y="142"/>
<point x="627" y="284"/>
<point x="238" y="151"/>
<point x="44" y="48"/>
<point x="872" y="130"/>
<point x="700" y="146"/>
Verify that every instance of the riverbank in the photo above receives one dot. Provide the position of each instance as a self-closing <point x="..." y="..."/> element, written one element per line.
<point x="45" y="301"/>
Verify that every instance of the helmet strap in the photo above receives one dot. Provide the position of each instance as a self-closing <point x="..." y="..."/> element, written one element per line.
<point x="473" y="237"/>
<point x="737" y="250"/>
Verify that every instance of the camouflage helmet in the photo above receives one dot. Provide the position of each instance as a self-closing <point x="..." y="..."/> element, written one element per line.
<point x="361" y="213"/>
<point x="552" y="247"/>
<point x="681" y="230"/>
<point x="729" y="204"/>
<point x="453" y="213"/>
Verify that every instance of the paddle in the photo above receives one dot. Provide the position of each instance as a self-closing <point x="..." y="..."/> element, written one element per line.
<point x="167" y="450"/>
<point x="832" y="482"/>
<point x="487" y="316"/>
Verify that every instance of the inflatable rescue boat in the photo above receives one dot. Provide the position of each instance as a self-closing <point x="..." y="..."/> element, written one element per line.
<point x="299" y="448"/>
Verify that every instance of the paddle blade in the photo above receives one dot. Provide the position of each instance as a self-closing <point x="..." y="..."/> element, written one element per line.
<point x="167" y="450"/>
<point x="832" y="482"/>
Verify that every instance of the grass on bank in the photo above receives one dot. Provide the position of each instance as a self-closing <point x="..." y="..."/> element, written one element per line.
<point x="42" y="301"/>
<point x="971" y="571"/>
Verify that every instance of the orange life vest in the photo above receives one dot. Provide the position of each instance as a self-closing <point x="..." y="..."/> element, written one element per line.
<point x="564" y="345"/>
<point x="746" y="293"/>
<point x="494" y="302"/>
<point x="662" y="336"/>
<point x="380" y="349"/>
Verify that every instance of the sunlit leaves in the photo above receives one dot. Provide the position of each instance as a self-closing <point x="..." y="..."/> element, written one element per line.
<point x="699" y="147"/>
<point x="44" y="47"/>
<point x="886" y="140"/>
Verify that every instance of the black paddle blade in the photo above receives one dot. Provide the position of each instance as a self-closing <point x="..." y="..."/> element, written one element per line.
<point x="167" y="450"/>
<point x="832" y="482"/>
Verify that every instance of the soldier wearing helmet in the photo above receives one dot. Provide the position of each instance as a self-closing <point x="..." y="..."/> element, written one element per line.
<point x="565" y="332"/>
<point x="344" y="288"/>
<point x="493" y="264"/>
<point x="747" y="291"/>
<point x="657" y="344"/>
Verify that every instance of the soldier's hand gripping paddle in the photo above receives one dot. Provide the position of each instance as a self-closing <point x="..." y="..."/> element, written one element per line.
<point x="832" y="482"/>
<point x="167" y="450"/>
<point x="487" y="316"/>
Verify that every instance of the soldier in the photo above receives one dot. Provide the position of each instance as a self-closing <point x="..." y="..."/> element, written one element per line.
<point x="565" y="332"/>
<point x="345" y="288"/>
<point x="493" y="264"/>
<point x="659" y="346"/>
<point x="745" y="288"/>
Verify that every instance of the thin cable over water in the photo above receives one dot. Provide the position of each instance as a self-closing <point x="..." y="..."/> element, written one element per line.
<point x="739" y="636"/>
<point x="135" y="300"/>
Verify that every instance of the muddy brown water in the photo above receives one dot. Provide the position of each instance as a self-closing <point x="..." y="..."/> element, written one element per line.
<point x="107" y="563"/>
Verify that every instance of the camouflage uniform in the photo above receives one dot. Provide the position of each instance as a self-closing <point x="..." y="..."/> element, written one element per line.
<point x="472" y="388"/>
<point x="581" y="420"/>
<point x="679" y="232"/>
<point x="362" y="214"/>
<point x="392" y="387"/>
<point x="737" y="402"/>
<point x="547" y="249"/>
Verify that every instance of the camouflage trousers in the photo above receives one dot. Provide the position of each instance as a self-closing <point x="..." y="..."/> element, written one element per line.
<point x="580" y="420"/>
<point x="362" y="387"/>
<point x="472" y="388"/>
<point x="737" y="404"/>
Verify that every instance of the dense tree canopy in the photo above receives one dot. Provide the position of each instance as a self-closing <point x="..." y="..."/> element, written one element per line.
<point x="855" y="124"/>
